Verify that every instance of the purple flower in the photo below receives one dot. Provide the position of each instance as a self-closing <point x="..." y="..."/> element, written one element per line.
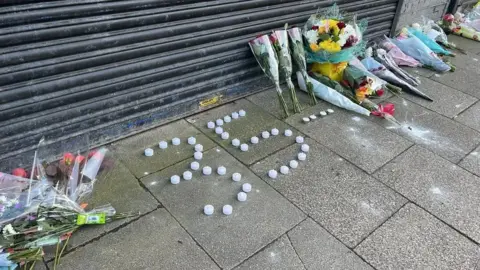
<point x="2" y="208"/>
<point x="18" y="206"/>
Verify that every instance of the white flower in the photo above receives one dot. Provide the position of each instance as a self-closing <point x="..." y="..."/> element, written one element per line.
<point x="3" y="199"/>
<point x="347" y="32"/>
<point x="311" y="36"/>
<point x="8" y="230"/>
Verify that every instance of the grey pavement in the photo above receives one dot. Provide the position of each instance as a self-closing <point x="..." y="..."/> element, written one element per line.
<point x="371" y="194"/>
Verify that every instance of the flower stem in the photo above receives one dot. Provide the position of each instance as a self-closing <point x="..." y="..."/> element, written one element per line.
<point x="282" y="101"/>
<point x="296" y="105"/>
<point x="309" y="88"/>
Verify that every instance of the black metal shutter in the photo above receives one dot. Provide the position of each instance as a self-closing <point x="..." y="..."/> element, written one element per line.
<point x="106" y="69"/>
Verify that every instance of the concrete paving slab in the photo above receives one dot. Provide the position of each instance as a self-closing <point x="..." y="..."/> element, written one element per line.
<point x="131" y="150"/>
<point x="256" y="121"/>
<point x="346" y="201"/>
<point x="156" y="241"/>
<point x="435" y="132"/>
<point x="471" y="117"/>
<point x="447" y="191"/>
<point x="268" y="101"/>
<point x="472" y="162"/>
<point x="465" y="43"/>
<point x="122" y="190"/>
<point x="414" y="239"/>
<point x="276" y="256"/>
<point x="320" y="250"/>
<point x="446" y="100"/>
<point x="470" y="61"/>
<point x="350" y="135"/>
<point x="423" y="72"/>
<point x="265" y="216"/>
<point x="464" y="80"/>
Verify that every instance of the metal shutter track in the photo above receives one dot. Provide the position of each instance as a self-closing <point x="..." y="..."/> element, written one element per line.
<point x="96" y="70"/>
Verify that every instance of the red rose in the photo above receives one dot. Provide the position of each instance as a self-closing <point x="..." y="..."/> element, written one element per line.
<point x="380" y="92"/>
<point x="19" y="172"/>
<point x="68" y="158"/>
<point x="93" y="152"/>
<point x="315" y="27"/>
<point x="273" y="38"/>
<point x="80" y="159"/>
<point x="448" y="17"/>
<point x="341" y="25"/>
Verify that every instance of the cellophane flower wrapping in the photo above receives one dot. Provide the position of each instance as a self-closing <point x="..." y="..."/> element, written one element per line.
<point x="430" y="43"/>
<point x="383" y="72"/>
<point x="279" y="40"/>
<point x="298" y="55"/>
<point x="455" y="24"/>
<point x="415" y="48"/>
<point x="332" y="96"/>
<point x="377" y="83"/>
<point x="267" y="59"/>
<point x="389" y="63"/>
<point x="361" y="83"/>
<point x="397" y="55"/>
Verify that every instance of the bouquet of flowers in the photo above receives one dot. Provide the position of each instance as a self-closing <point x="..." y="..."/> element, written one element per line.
<point x="332" y="96"/>
<point x="298" y="54"/>
<point x="415" y="48"/>
<point x="361" y="83"/>
<point x="333" y="40"/>
<point x="267" y="59"/>
<point x="380" y="70"/>
<point x="431" y="43"/>
<point x="386" y="60"/>
<point x="279" y="40"/>
<point x="455" y="24"/>
<point x="399" y="57"/>
<point x="435" y="32"/>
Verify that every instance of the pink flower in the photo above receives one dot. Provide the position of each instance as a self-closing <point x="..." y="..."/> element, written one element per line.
<point x="19" y="172"/>
<point x="68" y="158"/>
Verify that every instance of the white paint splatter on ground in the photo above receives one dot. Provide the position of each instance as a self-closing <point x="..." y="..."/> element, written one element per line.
<point x="356" y="119"/>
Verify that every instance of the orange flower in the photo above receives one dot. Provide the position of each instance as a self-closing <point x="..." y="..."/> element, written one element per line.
<point x="314" y="47"/>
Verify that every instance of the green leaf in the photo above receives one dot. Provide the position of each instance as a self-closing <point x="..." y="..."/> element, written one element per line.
<point x="324" y="37"/>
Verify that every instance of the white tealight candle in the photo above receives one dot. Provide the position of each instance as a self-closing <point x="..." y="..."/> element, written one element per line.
<point x="175" y="179"/>
<point x="293" y="164"/>
<point x="227" y="119"/>
<point x="227" y="209"/>
<point x="265" y="134"/>
<point x="198" y="155"/>
<point x="242" y="113"/>
<point x="187" y="175"/>
<point x="313" y="117"/>
<point x="244" y="147"/>
<point x="242" y="196"/>
<point x="246" y="187"/>
<point x="207" y="170"/>
<point x="149" y="152"/>
<point x="235" y="115"/>
<point x="163" y="145"/>
<point x="225" y="135"/>
<point x="221" y="170"/>
<point x="284" y="170"/>
<point x="192" y="140"/>
<point x="306" y="119"/>
<point x="302" y="156"/>
<point x="274" y="132"/>
<point x="299" y="139"/>
<point x="176" y="141"/>
<point x="288" y="132"/>
<point x="236" y="142"/>
<point x="330" y="111"/>
<point x="272" y="174"/>
<point x="219" y="130"/>
<point x="194" y="165"/>
<point x="198" y="147"/>
<point x="236" y="177"/>
<point x="254" y="140"/>
<point x="211" y="125"/>
<point x="305" y="147"/>
<point x="219" y="122"/>
<point x="322" y="113"/>
<point x="208" y="209"/>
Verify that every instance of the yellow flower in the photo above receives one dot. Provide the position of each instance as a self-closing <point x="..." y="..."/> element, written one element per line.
<point x="330" y="46"/>
<point x="335" y="29"/>
<point x="314" y="47"/>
